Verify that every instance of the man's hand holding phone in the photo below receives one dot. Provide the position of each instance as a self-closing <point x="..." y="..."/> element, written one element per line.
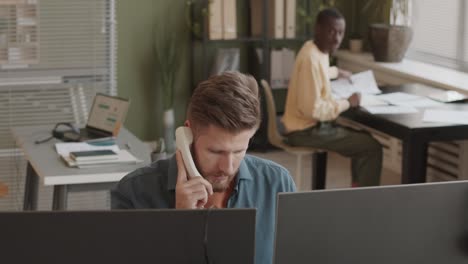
<point x="191" y="193"/>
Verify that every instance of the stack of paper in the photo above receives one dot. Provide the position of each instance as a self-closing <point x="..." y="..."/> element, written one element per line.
<point x="401" y="103"/>
<point x="64" y="149"/>
<point x="123" y="157"/>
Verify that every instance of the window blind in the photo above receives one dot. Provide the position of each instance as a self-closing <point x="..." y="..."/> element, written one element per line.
<point x="440" y="35"/>
<point x="55" y="56"/>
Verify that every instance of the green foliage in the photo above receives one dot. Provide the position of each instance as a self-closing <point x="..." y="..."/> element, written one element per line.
<point x="195" y="15"/>
<point x="167" y="56"/>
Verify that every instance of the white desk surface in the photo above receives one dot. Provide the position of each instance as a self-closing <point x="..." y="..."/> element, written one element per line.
<point x="53" y="171"/>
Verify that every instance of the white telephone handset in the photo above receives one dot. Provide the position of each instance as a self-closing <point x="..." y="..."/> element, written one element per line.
<point x="184" y="139"/>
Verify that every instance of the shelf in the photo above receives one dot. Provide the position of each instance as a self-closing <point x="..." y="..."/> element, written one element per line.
<point x="249" y="39"/>
<point x="237" y="40"/>
<point x="256" y="46"/>
<point x="299" y="39"/>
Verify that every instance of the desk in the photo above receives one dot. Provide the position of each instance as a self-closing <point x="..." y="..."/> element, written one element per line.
<point x="412" y="131"/>
<point x="46" y="166"/>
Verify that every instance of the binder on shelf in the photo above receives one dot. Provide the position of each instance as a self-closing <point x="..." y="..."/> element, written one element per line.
<point x="289" y="57"/>
<point x="256" y="18"/>
<point x="276" y="73"/>
<point x="229" y="19"/>
<point x="226" y="60"/>
<point x="275" y="25"/>
<point x="215" y="20"/>
<point x="282" y="62"/>
<point x="290" y="18"/>
<point x="276" y="19"/>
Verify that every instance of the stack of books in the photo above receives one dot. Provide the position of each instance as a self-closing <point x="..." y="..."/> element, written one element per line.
<point x="83" y="155"/>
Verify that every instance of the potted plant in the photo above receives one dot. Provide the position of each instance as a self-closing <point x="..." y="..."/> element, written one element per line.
<point x="389" y="42"/>
<point x="167" y="54"/>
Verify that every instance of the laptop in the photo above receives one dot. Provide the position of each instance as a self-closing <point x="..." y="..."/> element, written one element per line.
<point x="129" y="236"/>
<point x="106" y="117"/>
<point x="404" y="224"/>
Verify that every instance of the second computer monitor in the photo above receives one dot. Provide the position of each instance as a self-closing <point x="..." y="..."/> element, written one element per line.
<point x="423" y="223"/>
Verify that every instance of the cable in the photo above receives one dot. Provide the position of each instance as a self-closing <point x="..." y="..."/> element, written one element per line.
<point x="205" y="238"/>
<point x="39" y="141"/>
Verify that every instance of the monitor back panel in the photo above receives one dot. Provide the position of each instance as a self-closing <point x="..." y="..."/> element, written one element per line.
<point x="130" y="236"/>
<point x="424" y="223"/>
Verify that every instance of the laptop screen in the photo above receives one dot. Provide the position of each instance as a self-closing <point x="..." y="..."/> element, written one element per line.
<point x="108" y="113"/>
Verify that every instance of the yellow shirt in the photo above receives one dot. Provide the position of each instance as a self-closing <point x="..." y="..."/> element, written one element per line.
<point x="309" y="98"/>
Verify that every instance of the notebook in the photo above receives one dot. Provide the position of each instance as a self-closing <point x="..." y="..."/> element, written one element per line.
<point x="105" y="118"/>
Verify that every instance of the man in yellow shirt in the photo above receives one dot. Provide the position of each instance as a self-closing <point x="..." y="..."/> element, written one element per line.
<point x="311" y="110"/>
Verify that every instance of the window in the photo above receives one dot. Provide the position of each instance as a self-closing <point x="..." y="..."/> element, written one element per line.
<point x="440" y="33"/>
<point x="55" y="56"/>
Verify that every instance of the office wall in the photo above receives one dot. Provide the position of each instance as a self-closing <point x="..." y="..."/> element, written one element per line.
<point x="136" y="20"/>
<point x="136" y="72"/>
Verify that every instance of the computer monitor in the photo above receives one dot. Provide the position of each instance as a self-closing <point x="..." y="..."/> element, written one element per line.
<point x="420" y="223"/>
<point x="128" y="236"/>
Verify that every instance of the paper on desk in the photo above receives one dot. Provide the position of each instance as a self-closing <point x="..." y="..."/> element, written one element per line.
<point x="363" y="82"/>
<point x="371" y="100"/>
<point x="392" y="109"/>
<point x="64" y="149"/>
<point x="420" y="102"/>
<point x="446" y="116"/>
<point x="398" y="97"/>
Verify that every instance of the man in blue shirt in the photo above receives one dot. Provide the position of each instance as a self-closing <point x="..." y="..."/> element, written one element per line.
<point x="223" y="114"/>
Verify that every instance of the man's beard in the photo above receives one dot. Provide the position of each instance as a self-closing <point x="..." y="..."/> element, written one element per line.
<point x="220" y="186"/>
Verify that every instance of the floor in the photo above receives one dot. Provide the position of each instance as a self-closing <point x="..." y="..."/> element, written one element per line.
<point x="338" y="169"/>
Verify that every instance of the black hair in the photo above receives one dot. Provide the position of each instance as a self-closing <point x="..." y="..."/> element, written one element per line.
<point x="328" y="13"/>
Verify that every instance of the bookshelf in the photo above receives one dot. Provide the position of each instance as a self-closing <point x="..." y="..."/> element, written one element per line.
<point x="19" y="43"/>
<point x="255" y="40"/>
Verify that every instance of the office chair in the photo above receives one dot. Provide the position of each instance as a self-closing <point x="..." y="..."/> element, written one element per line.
<point x="319" y="157"/>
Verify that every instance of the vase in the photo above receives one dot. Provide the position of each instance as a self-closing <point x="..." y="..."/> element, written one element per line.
<point x="355" y="45"/>
<point x="169" y="131"/>
<point x="389" y="42"/>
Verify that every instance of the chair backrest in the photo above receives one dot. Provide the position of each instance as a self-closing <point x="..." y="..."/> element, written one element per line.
<point x="273" y="135"/>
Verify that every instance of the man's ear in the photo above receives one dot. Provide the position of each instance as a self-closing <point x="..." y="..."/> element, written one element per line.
<point x="187" y="123"/>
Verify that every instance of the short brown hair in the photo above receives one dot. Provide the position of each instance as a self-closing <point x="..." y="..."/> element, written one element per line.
<point x="229" y="100"/>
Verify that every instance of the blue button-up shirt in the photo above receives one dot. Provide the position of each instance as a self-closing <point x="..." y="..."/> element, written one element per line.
<point x="257" y="184"/>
